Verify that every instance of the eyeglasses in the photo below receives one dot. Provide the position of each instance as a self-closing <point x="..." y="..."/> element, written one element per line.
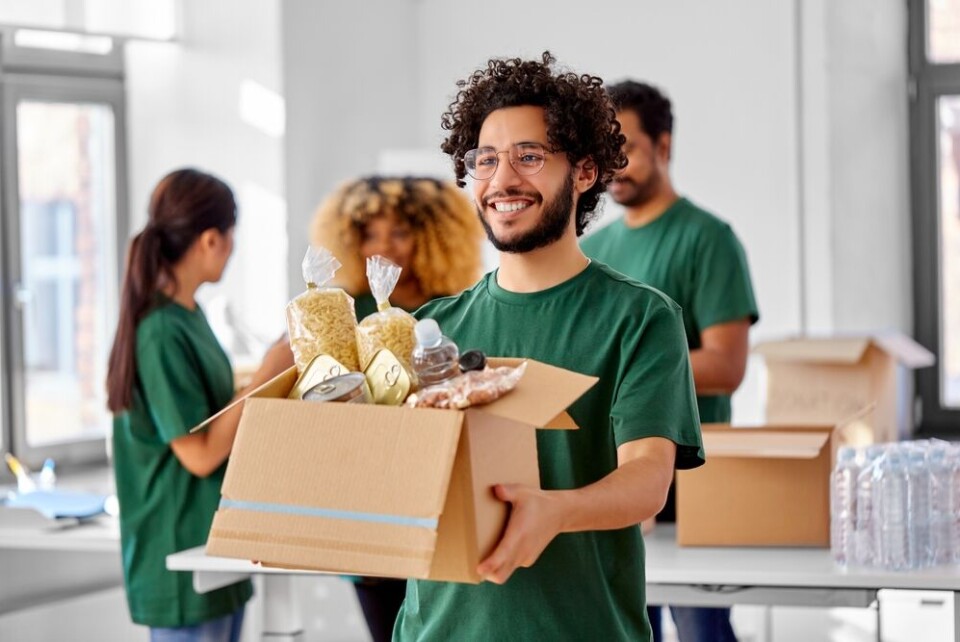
<point x="527" y="159"/>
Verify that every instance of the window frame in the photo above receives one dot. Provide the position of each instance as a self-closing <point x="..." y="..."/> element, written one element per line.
<point x="53" y="76"/>
<point x="929" y="81"/>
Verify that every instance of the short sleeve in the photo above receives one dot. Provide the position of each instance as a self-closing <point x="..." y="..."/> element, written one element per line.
<point x="723" y="291"/>
<point x="171" y="385"/>
<point x="655" y="396"/>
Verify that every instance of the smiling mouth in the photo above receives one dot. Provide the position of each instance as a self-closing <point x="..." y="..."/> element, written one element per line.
<point x="514" y="206"/>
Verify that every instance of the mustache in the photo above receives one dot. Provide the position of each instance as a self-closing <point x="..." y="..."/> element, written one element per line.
<point x="510" y="193"/>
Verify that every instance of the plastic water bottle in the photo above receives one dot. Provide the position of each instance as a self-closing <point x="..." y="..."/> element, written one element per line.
<point x="954" y="454"/>
<point x="941" y="505"/>
<point x="435" y="357"/>
<point x="843" y="506"/>
<point x="867" y="536"/>
<point x="892" y="510"/>
<point x="918" y="507"/>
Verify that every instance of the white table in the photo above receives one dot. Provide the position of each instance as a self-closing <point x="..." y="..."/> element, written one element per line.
<point x="675" y="575"/>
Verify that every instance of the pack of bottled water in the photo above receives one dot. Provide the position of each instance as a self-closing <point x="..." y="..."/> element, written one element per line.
<point x="896" y="506"/>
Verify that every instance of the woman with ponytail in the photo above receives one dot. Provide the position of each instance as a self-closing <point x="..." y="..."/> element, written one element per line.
<point x="167" y="373"/>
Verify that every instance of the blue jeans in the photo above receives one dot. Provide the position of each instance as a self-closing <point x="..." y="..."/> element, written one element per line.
<point x="695" y="624"/>
<point x="224" y="629"/>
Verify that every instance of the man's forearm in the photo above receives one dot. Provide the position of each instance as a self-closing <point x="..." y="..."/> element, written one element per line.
<point x="632" y="493"/>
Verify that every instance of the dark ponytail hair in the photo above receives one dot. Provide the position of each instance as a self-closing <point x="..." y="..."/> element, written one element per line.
<point x="184" y="204"/>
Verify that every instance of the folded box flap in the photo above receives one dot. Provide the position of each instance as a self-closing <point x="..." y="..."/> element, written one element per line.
<point x="542" y="395"/>
<point x="276" y="387"/>
<point x="764" y="442"/>
<point x="814" y="350"/>
<point x="354" y="462"/>
<point x="905" y="350"/>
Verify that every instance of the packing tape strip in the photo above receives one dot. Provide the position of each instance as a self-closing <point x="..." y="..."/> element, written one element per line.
<point x="286" y="509"/>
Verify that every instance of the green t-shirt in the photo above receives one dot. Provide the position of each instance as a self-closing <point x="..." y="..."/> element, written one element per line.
<point x="365" y="305"/>
<point x="587" y="585"/>
<point x="183" y="377"/>
<point x="694" y="258"/>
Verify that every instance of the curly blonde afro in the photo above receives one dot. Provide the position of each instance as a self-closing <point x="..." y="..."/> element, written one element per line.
<point x="447" y="232"/>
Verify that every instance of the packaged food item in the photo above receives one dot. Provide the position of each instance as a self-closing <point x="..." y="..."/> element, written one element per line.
<point x="435" y="357"/>
<point x="473" y="388"/>
<point x="320" y="368"/>
<point x="389" y="327"/>
<point x="321" y="320"/>
<point x="390" y="381"/>
<point x="349" y="388"/>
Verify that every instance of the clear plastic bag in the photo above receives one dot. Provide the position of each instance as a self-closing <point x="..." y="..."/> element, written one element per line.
<point x="390" y="327"/>
<point x="322" y="320"/>
<point x="473" y="388"/>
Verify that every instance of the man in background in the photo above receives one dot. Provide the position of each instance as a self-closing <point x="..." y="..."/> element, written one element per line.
<point x="666" y="241"/>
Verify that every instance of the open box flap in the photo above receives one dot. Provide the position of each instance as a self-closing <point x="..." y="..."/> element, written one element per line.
<point x="765" y="442"/>
<point x="279" y="386"/>
<point x="812" y="350"/>
<point x="542" y="395"/>
<point x="366" y="461"/>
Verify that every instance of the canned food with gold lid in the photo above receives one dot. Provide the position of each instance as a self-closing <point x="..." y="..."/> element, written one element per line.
<point x="320" y="368"/>
<point x="350" y="388"/>
<point x="389" y="380"/>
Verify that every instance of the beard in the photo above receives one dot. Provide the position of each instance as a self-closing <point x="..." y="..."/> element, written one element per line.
<point x="638" y="194"/>
<point x="549" y="229"/>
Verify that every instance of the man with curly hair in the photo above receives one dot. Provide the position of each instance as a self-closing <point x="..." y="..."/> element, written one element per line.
<point x="541" y="145"/>
<point x="694" y="257"/>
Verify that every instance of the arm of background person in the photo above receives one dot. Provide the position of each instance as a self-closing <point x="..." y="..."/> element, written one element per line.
<point x="721" y="360"/>
<point x="633" y="492"/>
<point x="201" y="453"/>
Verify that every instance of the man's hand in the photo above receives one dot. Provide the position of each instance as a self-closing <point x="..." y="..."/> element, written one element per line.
<point x="535" y="519"/>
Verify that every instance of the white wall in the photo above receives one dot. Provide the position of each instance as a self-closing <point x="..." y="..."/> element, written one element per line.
<point x="214" y="101"/>
<point x="352" y="90"/>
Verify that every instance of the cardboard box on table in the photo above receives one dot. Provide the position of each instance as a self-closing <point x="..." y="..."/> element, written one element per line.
<point x="378" y="490"/>
<point x="823" y="380"/>
<point x="760" y="486"/>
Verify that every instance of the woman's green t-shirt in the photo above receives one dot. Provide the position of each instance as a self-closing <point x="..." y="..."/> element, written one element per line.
<point x="182" y="377"/>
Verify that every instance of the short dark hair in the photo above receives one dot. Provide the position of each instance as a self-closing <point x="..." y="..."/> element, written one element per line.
<point x="647" y="102"/>
<point x="581" y="121"/>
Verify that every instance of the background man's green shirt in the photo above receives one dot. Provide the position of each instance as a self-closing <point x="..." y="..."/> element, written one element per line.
<point x="183" y="377"/>
<point x="694" y="258"/>
<point x="587" y="585"/>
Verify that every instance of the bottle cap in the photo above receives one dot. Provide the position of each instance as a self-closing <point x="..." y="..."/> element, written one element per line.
<point x="472" y="360"/>
<point x="428" y="333"/>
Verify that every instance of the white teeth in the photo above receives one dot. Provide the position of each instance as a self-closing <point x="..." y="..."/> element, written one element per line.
<point x="510" y="207"/>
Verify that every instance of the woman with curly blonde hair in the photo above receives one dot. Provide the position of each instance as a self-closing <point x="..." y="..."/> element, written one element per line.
<point x="426" y="226"/>
<point x="431" y="230"/>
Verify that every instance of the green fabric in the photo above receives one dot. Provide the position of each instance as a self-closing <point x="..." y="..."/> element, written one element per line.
<point x="365" y="305"/>
<point x="588" y="585"/>
<point x="183" y="377"/>
<point x="694" y="258"/>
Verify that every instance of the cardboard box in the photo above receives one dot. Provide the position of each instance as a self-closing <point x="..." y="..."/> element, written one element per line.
<point x="379" y="490"/>
<point x="823" y="380"/>
<point x="762" y="486"/>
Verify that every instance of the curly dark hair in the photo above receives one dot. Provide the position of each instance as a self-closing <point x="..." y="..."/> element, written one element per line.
<point x="580" y="119"/>
<point x="649" y="103"/>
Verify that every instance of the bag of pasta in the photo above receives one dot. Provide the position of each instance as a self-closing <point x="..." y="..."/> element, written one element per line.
<point x="322" y="320"/>
<point x="389" y="327"/>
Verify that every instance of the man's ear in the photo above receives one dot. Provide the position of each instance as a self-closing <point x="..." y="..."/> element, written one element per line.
<point x="585" y="175"/>
<point x="664" y="150"/>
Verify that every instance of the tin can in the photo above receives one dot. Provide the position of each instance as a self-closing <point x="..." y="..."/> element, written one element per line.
<point x="320" y="368"/>
<point x="349" y="388"/>
<point x="389" y="380"/>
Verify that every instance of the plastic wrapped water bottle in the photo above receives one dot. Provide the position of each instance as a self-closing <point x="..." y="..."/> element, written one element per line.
<point x="920" y="553"/>
<point x="942" y="505"/>
<point x="867" y="536"/>
<point x="954" y="455"/>
<point x="892" y="510"/>
<point x="843" y="506"/>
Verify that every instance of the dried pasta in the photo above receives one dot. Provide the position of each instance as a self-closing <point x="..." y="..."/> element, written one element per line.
<point x="322" y="321"/>
<point x="391" y="329"/>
